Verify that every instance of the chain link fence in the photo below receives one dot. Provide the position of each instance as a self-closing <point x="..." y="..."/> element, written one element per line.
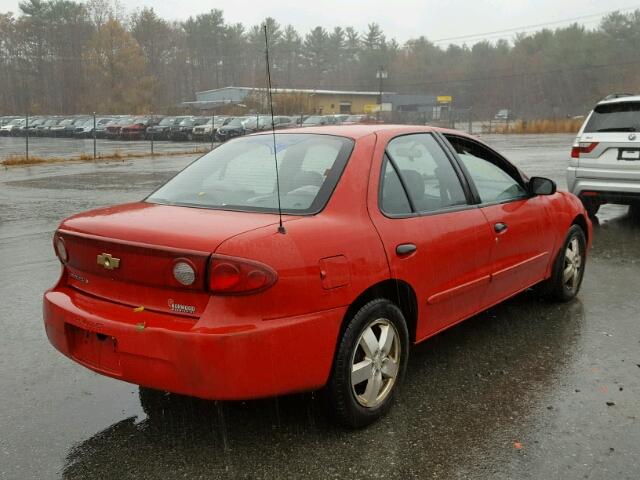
<point x="38" y="139"/>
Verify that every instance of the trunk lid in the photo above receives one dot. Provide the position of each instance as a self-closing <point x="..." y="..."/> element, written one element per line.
<point x="607" y="159"/>
<point x="143" y="242"/>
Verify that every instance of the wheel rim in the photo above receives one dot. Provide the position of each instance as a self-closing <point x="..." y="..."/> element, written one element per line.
<point x="375" y="363"/>
<point x="572" y="265"/>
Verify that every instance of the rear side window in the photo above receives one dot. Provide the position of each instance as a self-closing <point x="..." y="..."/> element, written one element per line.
<point x="419" y="165"/>
<point x="394" y="199"/>
<point x="615" y="117"/>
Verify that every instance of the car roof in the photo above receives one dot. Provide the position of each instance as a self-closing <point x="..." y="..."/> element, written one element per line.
<point x="362" y="130"/>
<point x="620" y="99"/>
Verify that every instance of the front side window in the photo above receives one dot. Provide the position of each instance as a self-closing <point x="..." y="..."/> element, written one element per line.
<point x="491" y="176"/>
<point x="426" y="173"/>
<point x="241" y="175"/>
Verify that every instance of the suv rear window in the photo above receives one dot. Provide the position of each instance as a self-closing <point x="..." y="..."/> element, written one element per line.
<point x="241" y="175"/>
<point x="615" y="117"/>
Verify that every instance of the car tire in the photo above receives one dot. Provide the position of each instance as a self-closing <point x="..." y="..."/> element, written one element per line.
<point x="153" y="402"/>
<point x="568" y="268"/>
<point x="591" y="205"/>
<point x="374" y="347"/>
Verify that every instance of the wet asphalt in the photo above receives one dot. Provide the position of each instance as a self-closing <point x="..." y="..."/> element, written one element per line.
<point x="526" y="390"/>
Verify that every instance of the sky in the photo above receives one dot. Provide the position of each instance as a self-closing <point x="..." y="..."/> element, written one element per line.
<point x="400" y="19"/>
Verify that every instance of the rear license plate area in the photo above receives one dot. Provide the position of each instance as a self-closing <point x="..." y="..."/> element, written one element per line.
<point x="94" y="349"/>
<point x="629" y="154"/>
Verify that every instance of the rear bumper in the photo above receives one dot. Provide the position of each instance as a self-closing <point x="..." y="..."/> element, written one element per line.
<point x="608" y="189"/>
<point x="132" y="135"/>
<point x="247" y="359"/>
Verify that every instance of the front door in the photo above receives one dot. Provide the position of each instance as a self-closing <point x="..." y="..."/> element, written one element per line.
<point x="521" y="224"/>
<point x="435" y="240"/>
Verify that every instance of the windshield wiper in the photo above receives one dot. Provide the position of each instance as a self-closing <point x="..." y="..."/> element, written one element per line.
<point x="617" y="129"/>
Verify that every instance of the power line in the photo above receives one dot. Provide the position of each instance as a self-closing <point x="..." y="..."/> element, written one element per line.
<point x="533" y="26"/>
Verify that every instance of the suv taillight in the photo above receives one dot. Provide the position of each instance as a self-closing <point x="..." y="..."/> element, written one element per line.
<point x="582" y="147"/>
<point x="238" y="276"/>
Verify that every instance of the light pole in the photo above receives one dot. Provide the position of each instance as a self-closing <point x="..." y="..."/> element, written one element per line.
<point x="219" y="65"/>
<point x="381" y="74"/>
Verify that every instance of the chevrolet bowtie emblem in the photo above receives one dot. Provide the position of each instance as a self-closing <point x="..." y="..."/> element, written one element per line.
<point x="108" y="262"/>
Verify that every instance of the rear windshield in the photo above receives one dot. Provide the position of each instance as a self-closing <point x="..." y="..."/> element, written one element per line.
<point x="615" y="117"/>
<point x="236" y="122"/>
<point x="241" y="175"/>
<point x="313" y="120"/>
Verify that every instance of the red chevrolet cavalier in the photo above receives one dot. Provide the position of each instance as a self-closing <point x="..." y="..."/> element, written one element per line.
<point x="390" y="235"/>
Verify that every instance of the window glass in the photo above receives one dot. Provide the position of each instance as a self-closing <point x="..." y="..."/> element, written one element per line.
<point x="492" y="181"/>
<point x="240" y="175"/>
<point x="427" y="173"/>
<point x="394" y="198"/>
<point x="615" y="117"/>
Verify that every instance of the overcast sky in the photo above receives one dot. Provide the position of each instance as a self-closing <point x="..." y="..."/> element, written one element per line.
<point x="400" y="19"/>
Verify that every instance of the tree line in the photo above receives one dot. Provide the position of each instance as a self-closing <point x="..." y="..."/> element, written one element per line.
<point x="64" y="57"/>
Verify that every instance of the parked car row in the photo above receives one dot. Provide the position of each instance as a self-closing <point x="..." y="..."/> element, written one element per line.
<point x="176" y="128"/>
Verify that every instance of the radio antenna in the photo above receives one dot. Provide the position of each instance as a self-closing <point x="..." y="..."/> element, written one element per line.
<point x="273" y="129"/>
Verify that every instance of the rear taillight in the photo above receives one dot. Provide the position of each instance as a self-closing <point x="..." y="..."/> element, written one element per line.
<point x="582" y="147"/>
<point x="237" y="276"/>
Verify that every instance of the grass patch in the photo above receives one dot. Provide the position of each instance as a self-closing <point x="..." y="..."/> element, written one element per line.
<point x="22" y="160"/>
<point x="564" y="125"/>
<point x="12" y="160"/>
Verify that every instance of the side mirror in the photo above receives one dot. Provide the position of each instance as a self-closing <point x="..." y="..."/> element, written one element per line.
<point x="542" y="186"/>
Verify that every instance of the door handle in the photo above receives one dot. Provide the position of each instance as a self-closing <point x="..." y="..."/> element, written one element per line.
<point x="405" y="249"/>
<point x="500" y="227"/>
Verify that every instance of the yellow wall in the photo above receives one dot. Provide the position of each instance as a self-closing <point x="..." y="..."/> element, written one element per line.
<point x="331" y="103"/>
<point x="295" y="102"/>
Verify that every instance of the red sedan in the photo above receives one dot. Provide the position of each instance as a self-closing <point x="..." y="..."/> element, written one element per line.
<point x="390" y="234"/>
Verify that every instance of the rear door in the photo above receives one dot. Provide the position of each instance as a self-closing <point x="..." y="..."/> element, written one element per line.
<point x="434" y="238"/>
<point x="521" y="225"/>
<point x="610" y="142"/>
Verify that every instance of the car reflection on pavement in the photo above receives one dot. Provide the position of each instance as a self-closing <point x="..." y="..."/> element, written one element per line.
<point x="466" y="389"/>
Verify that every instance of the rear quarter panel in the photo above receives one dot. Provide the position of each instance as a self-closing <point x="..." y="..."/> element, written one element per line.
<point x="342" y="229"/>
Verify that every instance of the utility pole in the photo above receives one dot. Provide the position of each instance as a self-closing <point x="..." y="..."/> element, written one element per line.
<point x="381" y="74"/>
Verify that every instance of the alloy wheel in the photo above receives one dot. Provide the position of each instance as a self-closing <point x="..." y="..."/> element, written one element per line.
<point x="572" y="265"/>
<point x="375" y="363"/>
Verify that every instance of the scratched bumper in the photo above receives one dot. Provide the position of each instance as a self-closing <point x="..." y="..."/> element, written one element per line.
<point x="231" y="362"/>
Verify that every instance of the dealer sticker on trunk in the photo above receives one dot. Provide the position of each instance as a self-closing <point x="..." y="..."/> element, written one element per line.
<point x="180" y="308"/>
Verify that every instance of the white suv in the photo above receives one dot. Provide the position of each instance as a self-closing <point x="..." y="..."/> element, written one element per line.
<point x="605" y="158"/>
